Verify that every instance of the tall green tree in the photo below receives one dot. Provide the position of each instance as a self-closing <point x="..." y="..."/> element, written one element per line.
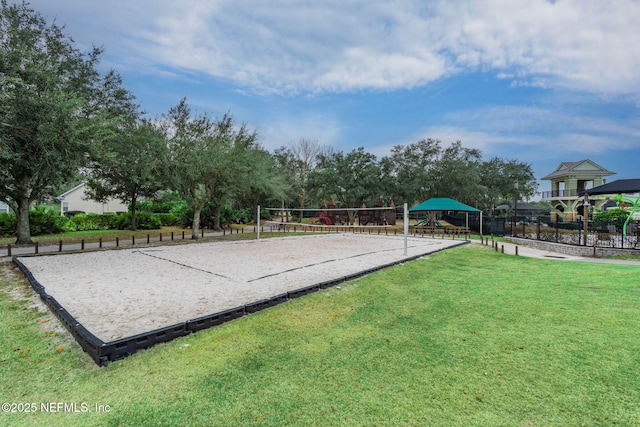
<point x="408" y="173"/>
<point x="253" y="180"/>
<point x="264" y="183"/>
<point x="129" y="165"/>
<point x="496" y="182"/>
<point x="202" y="161"/>
<point x="351" y="179"/>
<point x="53" y="105"/>
<point x="297" y="161"/>
<point x="456" y="173"/>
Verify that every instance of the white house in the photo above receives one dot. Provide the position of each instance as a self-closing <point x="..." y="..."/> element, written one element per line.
<point x="76" y="199"/>
<point x="4" y="208"/>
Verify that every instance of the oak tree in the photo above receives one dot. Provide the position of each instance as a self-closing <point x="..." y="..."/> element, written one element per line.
<point x="53" y="106"/>
<point x="203" y="160"/>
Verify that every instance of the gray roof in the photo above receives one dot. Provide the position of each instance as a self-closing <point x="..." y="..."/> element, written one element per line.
<point x="523" y="207"/>
<point x="619" y="186"/>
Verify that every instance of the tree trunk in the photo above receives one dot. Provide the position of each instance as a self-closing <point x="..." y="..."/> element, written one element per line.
<point x="195" y="228"/>
<point x="133" y="214"/>
<point x="352" y="217"/>
<point x="216" y="218"/>
<point x="22" y="224"/>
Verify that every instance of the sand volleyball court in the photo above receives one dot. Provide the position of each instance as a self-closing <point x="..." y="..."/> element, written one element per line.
<point x="116" y="294"/>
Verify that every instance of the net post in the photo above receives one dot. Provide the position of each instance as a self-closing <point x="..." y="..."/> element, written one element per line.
<point x="406" y="227"/>
<point x="258" y="224"/>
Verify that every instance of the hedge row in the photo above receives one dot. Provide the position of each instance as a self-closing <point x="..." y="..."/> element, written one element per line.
<point x="46" y="220"/>
<point x="184" y="214"/>
<point x="149" y="216"/>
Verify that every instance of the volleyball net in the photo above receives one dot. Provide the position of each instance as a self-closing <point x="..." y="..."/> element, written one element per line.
<point x="332" y="217"/>
<point x="378" y="217"/>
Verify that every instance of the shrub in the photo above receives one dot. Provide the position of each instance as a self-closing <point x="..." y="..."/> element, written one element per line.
<point x="185" y="217"/>
<point x="46" y="220"/>
<point x="7" y="224"/>
<point x="615" y="217"/>
<point x="160" y="207"/>
<point x="144" y="221"/>
<point x="92" y="221"/>
<point x="167" y="219"/>
<point x="228" y="215"/>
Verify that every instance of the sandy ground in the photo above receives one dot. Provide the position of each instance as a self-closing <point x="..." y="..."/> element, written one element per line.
<point x="120" y="293"/>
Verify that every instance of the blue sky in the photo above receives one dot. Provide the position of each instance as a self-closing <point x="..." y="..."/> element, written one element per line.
<point x="540" y="81"/>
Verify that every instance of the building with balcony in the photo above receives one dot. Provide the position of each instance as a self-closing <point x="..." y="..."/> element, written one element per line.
<point x="567" y="180"/>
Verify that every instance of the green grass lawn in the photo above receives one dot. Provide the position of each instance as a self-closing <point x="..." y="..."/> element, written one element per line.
<point x="466" y="337"/>
<point x="95" y="235"/>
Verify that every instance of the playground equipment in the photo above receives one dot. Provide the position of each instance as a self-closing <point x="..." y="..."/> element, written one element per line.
<point x="378" y="215"/>
<point x="634" y="203"/>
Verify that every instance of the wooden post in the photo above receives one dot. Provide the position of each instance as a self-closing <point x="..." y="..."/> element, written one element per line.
<point x="60" y="246"/>
<point x="258" y="223"/>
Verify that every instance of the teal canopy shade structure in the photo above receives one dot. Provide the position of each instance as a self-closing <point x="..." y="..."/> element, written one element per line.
<point x="443" y="204"/>
<point x="446" y="204"/>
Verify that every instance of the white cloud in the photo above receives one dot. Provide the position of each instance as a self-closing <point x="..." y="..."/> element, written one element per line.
<point x="285" y="46"/>
<point x="584" y="45"/>
<point x="516" y="132"/>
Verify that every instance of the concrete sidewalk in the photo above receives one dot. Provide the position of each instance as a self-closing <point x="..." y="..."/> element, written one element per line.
<point x="510" y="249"/>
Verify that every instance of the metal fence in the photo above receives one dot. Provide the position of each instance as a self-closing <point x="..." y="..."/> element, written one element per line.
<point x="602" y="235"/>
<point x="490" y="226"/>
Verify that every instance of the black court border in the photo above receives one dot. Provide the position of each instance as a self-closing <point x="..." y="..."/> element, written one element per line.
<point x="105" y="352"/>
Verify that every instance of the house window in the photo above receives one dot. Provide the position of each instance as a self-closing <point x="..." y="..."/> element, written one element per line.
<point x="65" y="207"/>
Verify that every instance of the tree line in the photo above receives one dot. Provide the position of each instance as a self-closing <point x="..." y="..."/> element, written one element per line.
<point x="59" y="117"/>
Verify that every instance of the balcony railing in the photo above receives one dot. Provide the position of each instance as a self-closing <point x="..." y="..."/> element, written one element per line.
<point x="559" y="194"/>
